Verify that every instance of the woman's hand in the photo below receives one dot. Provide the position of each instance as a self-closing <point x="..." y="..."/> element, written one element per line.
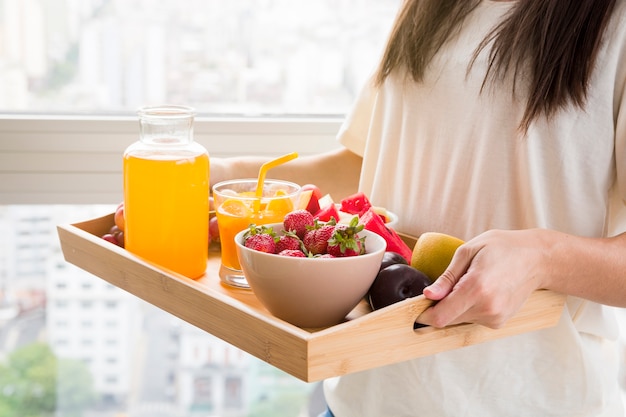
<point x="489" y="278"/>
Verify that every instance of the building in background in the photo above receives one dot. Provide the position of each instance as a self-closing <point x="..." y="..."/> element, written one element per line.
<point x="239" y="57"/>
<point x="142" y="360"/>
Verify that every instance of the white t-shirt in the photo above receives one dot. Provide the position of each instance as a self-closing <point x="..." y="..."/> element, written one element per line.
<point x="451" y="159"/>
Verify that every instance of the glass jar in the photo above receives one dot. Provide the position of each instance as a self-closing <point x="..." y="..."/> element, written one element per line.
<point x="166" y="192"/>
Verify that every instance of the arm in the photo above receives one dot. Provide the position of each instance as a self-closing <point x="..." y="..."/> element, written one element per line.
<point x="492" y="275"/>
<point x="335" y="172"/>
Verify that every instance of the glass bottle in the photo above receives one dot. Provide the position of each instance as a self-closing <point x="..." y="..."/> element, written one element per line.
<point x="166" y="192"/>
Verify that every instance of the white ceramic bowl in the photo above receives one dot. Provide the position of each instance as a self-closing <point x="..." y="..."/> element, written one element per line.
<point x="393" y="220"/>
<point x="345" y="217"/>
<point x="311" y="292"/>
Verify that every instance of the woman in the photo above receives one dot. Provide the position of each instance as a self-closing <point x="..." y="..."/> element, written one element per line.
<point x="502" y="123"/>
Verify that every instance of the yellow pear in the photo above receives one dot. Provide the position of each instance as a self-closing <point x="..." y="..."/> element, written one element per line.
<point x="433" y="252"/>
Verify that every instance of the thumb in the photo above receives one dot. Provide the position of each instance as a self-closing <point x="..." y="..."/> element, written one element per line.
<point x="446" y="282"/>
<point x="440" y="288"/>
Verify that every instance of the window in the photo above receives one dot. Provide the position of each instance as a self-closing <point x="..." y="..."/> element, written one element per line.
<point x="243" y="57"/>
<point x="267" y="76"/>
<point x="111" y="379"/>
<point x="233" y="392"/>
<point x="111" y="342"/>
<point x="111" y="324"/>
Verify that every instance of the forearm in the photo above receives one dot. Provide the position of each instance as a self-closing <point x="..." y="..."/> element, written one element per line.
<point x="335" y="172"/>
<point x="590" y="268"/>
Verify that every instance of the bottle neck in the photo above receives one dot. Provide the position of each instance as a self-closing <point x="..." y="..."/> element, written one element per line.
<point x="166" y="125"/>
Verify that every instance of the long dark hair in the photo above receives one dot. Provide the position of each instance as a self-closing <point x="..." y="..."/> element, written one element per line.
<point x="556" y="40"/>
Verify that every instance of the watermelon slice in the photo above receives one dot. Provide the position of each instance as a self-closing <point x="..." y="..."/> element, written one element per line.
<point x="356" y="204"/>
<point x="374" y="223"/>
<point x="325" y="213"/>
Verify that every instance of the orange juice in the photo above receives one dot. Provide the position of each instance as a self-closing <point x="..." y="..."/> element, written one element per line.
<point x="166" y="198"/>
<point x="237" y="207"/>
<point x="234" y="215"/>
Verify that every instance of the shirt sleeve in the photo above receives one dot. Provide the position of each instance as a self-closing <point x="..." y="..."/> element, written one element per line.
<point x="354" y="130"/>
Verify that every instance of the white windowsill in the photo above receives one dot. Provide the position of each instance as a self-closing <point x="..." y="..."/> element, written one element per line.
<point x="77" y="160"/>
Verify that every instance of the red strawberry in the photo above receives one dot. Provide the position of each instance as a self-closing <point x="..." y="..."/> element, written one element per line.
<point x="294" y="253"/>
<point x="345" y="240"/>
<point x="316" y="239"/>
<point x="298" y="221"/>
<point x="288" y="241"/>
<point x="262" y="243"/>
<point x="261" y="239"/>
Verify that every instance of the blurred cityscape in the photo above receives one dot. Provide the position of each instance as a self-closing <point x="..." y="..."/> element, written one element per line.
<point x="72" y="345"/>
<point x="223" y="57"/>
<point x="125" y="357"/>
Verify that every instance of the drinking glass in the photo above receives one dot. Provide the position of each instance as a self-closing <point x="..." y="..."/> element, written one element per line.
<point x="237" y="206"/>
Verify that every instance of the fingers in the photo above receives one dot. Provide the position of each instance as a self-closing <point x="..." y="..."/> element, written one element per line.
<point x="446" y="312"/>
<point x="449" y="307"/>
<point x="474" y="300"/>
<point x="473" y="288"/>
<point x="446" y="282"/>
<point x="441" y="287"/>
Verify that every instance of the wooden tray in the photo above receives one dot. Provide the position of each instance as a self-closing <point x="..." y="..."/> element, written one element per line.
<point x="367" y="339"/>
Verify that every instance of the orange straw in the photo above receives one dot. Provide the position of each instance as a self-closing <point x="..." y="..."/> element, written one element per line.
<point x="263" y="171"/>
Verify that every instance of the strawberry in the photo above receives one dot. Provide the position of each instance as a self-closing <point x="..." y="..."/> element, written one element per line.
<point x="294" y="253"/>
<point x="261" y="239"/>
<point x="345" y="240"/>
<point x="316" y="239"/>
<point x="298" y="221"/>
<point x="261" y="242"/>
<point x="288" y="241"/>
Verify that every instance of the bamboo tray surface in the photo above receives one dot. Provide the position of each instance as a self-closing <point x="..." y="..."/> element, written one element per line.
<point x="366" y="339"/>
